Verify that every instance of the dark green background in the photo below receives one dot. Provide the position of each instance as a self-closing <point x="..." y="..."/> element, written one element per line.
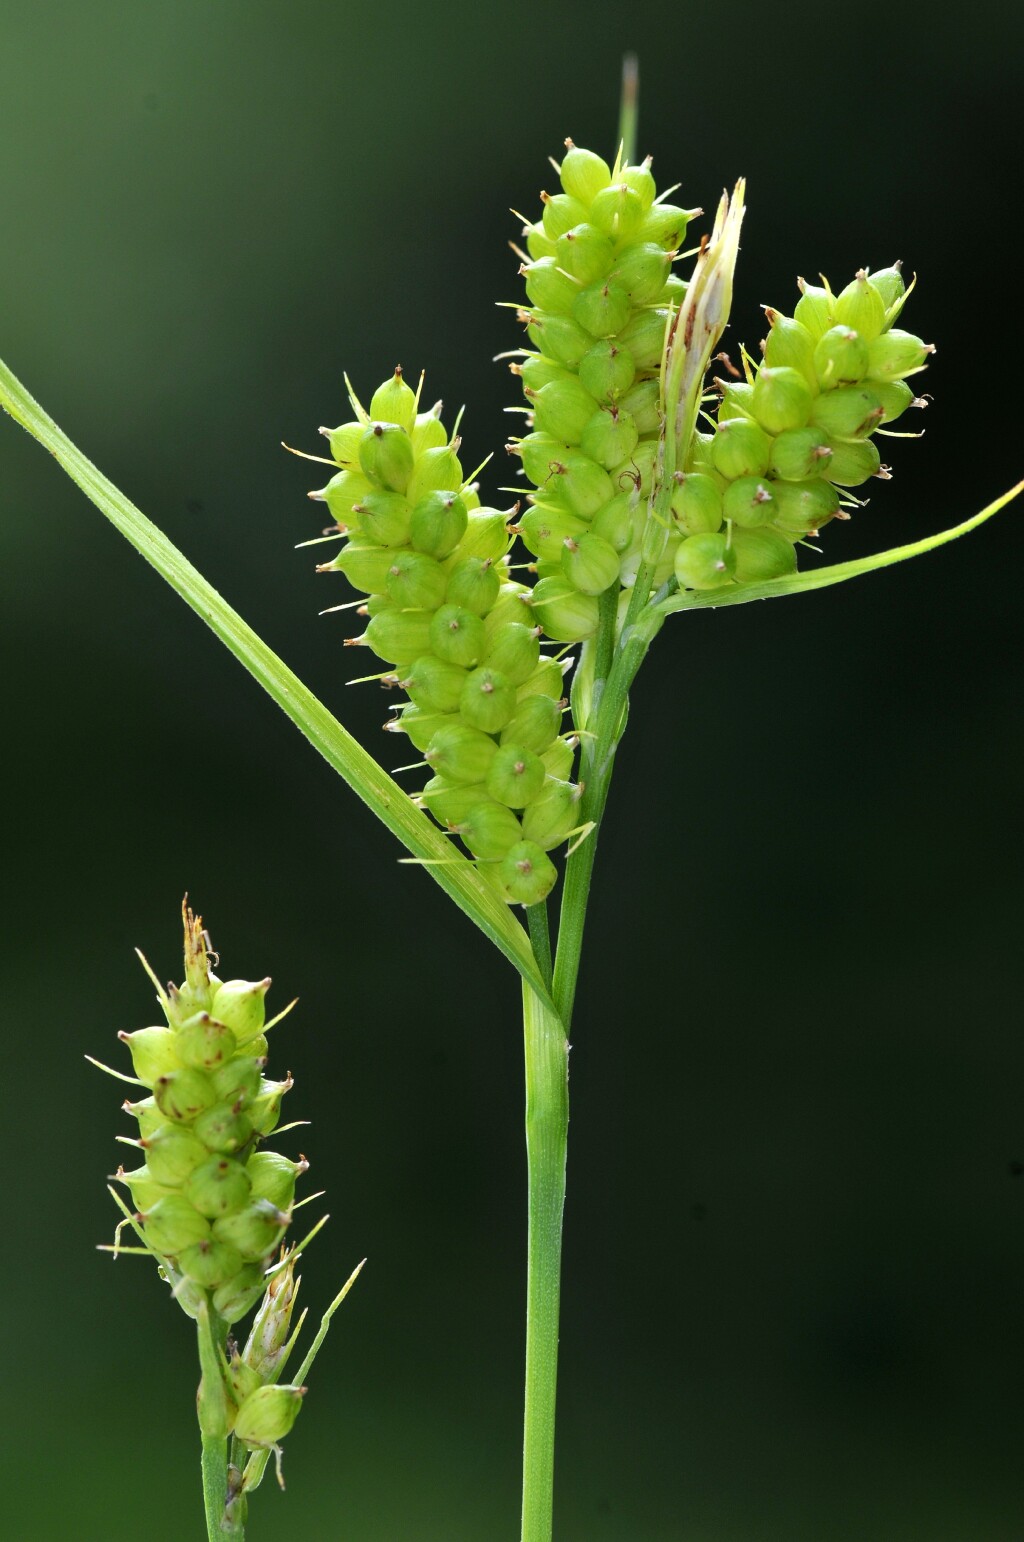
<point x="795" y="1245"/>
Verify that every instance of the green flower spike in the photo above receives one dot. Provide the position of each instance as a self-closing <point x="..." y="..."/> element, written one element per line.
<point x="605" y="247"/>
<point x="459" y="635"/>
<point x="211" y="1208"/>
<point x="789" y="442"/>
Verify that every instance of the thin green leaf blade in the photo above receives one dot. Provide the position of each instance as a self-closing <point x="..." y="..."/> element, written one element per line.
<point x="838" y="573"/>
<point x="380" y="792"/>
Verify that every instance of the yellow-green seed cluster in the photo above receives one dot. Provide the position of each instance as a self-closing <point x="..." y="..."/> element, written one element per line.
<point x="599" y="284"/>
<point x="485" y="705"/>
<point x="793" y="436"/>
<point x="212" y="1205"/>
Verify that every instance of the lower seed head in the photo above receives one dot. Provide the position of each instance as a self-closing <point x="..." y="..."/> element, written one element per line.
<point x="154" y="1053"/>
<point x="590" y="563"/>
<point x="618" y="211"/>
<point x="474" y="585"/>
<point x="386" y="455"/>
<point x="602" y="309"/>
<point x="896" y="354"/>
<point x="853" y="461"/>
<point x="851" y="412"/>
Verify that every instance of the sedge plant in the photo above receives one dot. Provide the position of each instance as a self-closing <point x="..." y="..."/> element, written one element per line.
<point x="640" y="488"/>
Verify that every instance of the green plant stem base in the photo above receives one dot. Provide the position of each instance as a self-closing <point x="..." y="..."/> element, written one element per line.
<point x="547" y="1123"/>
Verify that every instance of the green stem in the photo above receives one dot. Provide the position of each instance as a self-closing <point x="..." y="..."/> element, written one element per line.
<point x="540" y="936"/>
<point x="215" y="1484"/>
<point x="547" y="1118"/>
<point x="213" y="1426"/>
<point x="611" y="699"/>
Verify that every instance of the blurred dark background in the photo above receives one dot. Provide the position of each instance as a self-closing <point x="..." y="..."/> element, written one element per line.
<point x="795" y="1240"/>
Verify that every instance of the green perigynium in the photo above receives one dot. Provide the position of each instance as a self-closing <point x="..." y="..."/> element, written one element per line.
<point x="461" y="637"/>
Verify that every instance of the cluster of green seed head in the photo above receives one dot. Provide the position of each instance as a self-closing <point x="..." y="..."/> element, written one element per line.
<point x="211" y="1204"/>
<point x="599" y="284"/>
<point x="459" y="636"/>
<point x="794" y="436"/>
<point x="463" y="639"/>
